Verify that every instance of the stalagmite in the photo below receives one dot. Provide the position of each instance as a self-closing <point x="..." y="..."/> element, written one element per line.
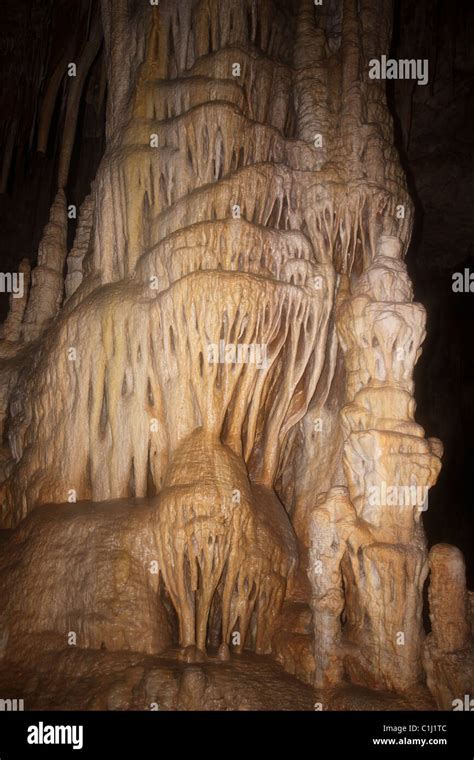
<point x="80" y="248"/>
<point x="448" y="599"/>
<point x="332" y="525"/>
<point x="389" y="467"/>
<point x="47" y="283"/>
<point x="10" y="349"/>
<point x="448" y="652"/>
<point x="11" y="328"/>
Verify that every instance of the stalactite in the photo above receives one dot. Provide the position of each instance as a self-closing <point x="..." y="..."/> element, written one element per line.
<point x="83" y="64"/>
<point x="49" y="102"/>
<point x="8" y="156"/>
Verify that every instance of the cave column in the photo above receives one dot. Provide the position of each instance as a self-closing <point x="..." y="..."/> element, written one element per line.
<point x="389" y="467"/>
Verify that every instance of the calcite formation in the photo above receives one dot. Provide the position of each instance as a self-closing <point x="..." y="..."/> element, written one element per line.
<point x="389" y="467"/>
<point x="209" y="401"/>
<point x="448" y="651"/>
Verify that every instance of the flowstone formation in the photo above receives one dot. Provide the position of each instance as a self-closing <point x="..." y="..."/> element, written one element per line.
<point x="212" y="447"/>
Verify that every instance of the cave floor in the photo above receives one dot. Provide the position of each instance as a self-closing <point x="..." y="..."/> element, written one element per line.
<point x="76" y="679"/>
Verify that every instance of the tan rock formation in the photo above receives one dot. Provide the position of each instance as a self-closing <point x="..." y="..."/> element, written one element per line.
<point x="368" y="550"/>
<point x="47" y="283"/>
<point x="448" y="653"/>
<point x="82" y="241"/>
<point x="11" y="328"/>
<point x="231" y="357"/>
<point x="333" y="524"/>
<point x="90" y="591"/>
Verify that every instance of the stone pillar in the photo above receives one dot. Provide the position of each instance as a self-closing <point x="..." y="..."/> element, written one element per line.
<point x="448" y="651"/>
<point x="448" y="598"/>
<point x="332" y="521"/>
<point x="389" y="467"/>
<point x="47" y="283"/>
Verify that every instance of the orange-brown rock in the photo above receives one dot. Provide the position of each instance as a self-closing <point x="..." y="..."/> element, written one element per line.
<point x="212" y="450"/>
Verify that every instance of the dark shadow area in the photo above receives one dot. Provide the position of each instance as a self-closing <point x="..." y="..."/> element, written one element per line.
<point x="435" y="139"/>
